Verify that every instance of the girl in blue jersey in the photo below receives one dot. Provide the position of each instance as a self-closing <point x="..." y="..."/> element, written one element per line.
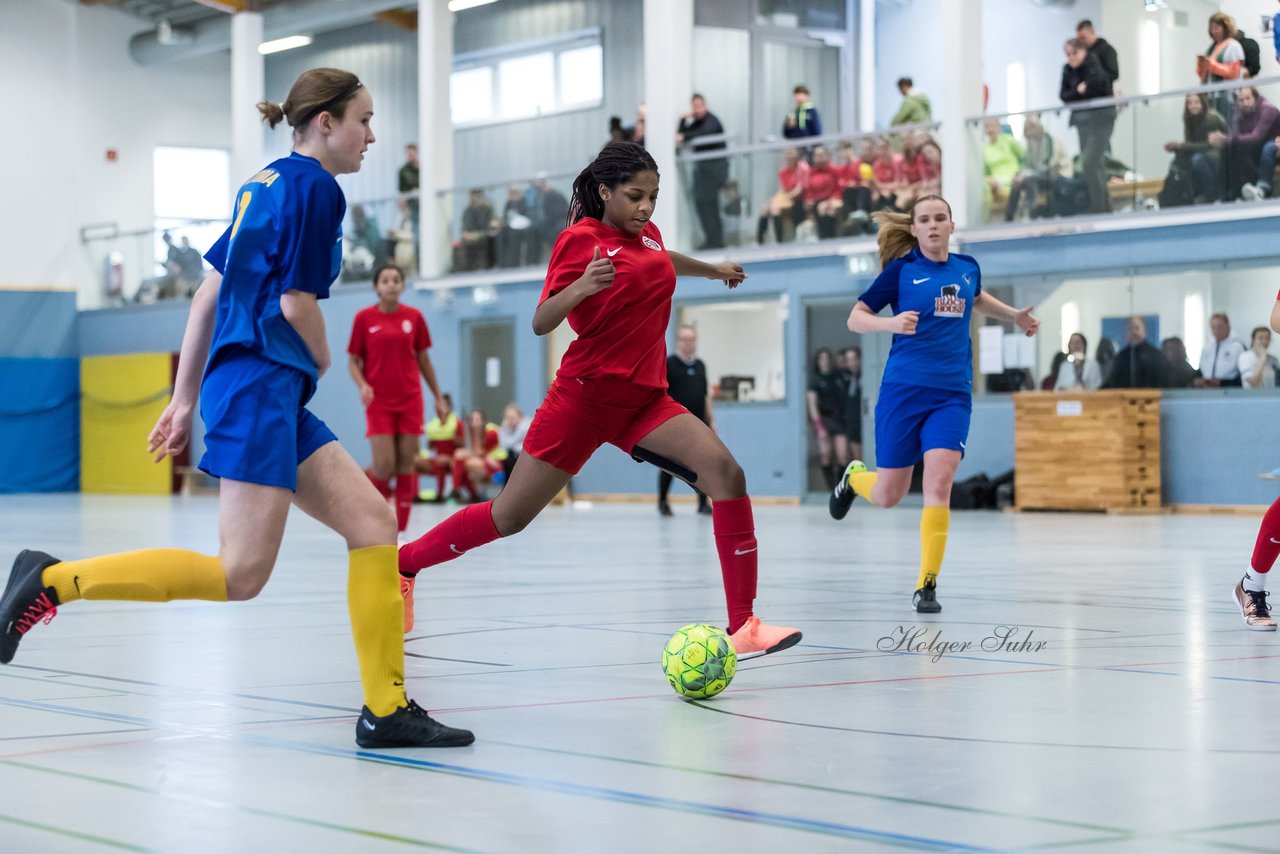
<point x="926" y="395"/>
<point x="256" y="332"/>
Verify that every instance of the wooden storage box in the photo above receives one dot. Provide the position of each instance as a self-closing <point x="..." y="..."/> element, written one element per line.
<point x="1096" y="450"/>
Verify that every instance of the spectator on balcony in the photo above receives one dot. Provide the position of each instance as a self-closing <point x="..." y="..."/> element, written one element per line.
<point x="367" y="249"/>
<point x="408" y="184"/>
<point x="618" y="133"/>
<point x="1084" y="80"/>
<point x="1078" y="371"/>
<point x="708" y="175"/>
<point x="517" y="240"/>
<point x="1181" y="374"/>
<point x="855" y="192"/>
<point x="915" y="108"/>
<point x="479" y="224"/>
<point x="1224" y="60"/>
<point x="1138" y="365"/>
<point x="1105" y="355"/>
<point x="822" y="193"/>
<point x="550" y="212"/>
<point x="1254" y="123"/>
<point x="1044" y="166"/>
<point x="731" y="207"/>
<point x="1220" y="359"/>
<point x="787" y="204"/>
<point x="1100" y="48"/>
<point x="921" y="168"/>
<point x="1002" y="157"/>
<point x="803" y="120"/>
<point x="405" y="252"/>
<point x="886" y="174"/>
<point x="190" y="268"/>
<point x="637" y="129"/>
<point x="1258" y="368"/>
<point x="1197" y="163"/>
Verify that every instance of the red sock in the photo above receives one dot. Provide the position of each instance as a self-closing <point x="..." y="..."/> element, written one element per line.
<point x="406" y="489"/>
<point x="735" y="530"/>
<point x="441" y="472"/>
<point x="460" y="479"/>
<point x="469" y="528"/>
<point x="383" y="486"/>
<point x="1268" y="545"/>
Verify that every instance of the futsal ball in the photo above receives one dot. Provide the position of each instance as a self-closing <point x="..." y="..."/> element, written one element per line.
<point x="866" y="172"/>
<point x="699" y="661"/>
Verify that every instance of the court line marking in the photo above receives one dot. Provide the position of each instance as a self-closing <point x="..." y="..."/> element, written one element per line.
<point x="73" y="834"/>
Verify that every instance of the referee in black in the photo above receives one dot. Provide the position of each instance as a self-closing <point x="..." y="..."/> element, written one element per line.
<point x="687" y="385"/>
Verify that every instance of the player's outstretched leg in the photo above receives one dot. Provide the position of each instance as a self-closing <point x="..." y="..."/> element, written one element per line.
<point x="1250" y="593"/>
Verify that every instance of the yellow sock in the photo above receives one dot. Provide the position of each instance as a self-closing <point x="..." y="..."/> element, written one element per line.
<point x="862" y="483"/>
<point x="149" y="575"/>
<point x="934" y="522"/>
<point x="377" y="623"/>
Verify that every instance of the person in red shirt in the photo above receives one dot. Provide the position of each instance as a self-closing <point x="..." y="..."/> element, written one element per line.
<point x="613" y="278"/>
<point x="822" y="192"/>
<point x="444" y="437"/>
<point x="388" y="350"/>
<point x="792" y="177"/>
<point x="480" y="457"/>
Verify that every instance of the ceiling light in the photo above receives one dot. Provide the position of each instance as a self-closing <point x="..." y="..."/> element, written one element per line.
<point x="459" y="5"/>
<point x="286" y="43"/>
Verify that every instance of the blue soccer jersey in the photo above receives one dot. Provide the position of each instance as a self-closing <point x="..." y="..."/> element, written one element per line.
<point x="286" y="235"/>
<point x="940" y="354"/>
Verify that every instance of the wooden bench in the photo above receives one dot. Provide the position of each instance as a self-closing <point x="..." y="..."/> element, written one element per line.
<point x="1134" y="193"/>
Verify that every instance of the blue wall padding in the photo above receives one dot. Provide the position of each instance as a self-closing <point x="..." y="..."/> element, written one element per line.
<point x="39" y="425"/>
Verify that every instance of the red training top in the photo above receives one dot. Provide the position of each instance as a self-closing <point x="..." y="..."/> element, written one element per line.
<point x="389" y="344"/>
<point x="823" y="183"/>
<point x="622" y="330"/>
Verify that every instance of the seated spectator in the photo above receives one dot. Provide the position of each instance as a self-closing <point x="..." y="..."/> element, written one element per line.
<point x="731" y="203"/>
<point x="886" y="168"/>
<point x="1044" y="166"/>
<point x="921" y="168"/>
<point x="1138" y="365"/>
<point x="550" y="212"/>
<point x="1196" y="163"/>
<point x="1220" y="359"/>
<point x="637" y="130"/>
<point x="1078" y="371"/>
<point x="618" y="133"/>
<point x="190" y="268"/>
<point x="366" y="243"/>
<point x="478" y="226"/>
<point x="1105" y="355"/>
<point x="1181" y="374"/>
<point x="511" y="434"/>
<point x="1002" y="157"/>
<point x="787" y="201"/>
<point x="1256" y="122"/>
<point x="855" y="194"/>
<point x="1051" y="379"/>
<point x="443" y="440"/>
<point x="479" y="458"/>
<point x="517" y="242"/>
<point x="822" y="193"/>
<point x="1258" y="367"/>
<point x="404" y="238"/>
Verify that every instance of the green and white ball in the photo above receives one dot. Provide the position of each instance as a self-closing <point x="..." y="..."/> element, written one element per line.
<point x="699" y="661"/>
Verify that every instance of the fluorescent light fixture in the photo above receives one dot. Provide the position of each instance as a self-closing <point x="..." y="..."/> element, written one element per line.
<point x="286" y="43"/>
<point x="1156" y="5"/>
<point x="459" y="5"/>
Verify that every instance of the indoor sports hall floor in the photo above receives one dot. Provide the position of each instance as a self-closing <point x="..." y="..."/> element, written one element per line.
<point x="1145" y="723"/>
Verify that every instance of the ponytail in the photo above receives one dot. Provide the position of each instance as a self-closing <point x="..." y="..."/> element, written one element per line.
<point x="894" y="237"/>
<point x="318" y="90"/>
<point x="617" y="163"/>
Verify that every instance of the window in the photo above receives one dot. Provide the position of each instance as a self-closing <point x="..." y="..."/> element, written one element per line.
<point x="471" y="95"/>
<point x="522" y="82"/>
<point x="746" y="374"/>
<point x="189" y="184"/>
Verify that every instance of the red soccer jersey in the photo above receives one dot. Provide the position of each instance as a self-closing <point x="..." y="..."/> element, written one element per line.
<point x="823" y="184"/>
<point x="622" y="330"/>
<point x="789" y="178"/>
<point x="888" y="169"/>
<point x="389" y="344"/>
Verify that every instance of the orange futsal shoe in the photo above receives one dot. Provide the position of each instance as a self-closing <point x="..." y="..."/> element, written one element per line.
<point x="406" y="592"/>
<point x="755" y="638"/>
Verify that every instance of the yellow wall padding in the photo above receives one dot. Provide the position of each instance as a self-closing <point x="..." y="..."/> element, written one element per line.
<point x="122" y="397"/>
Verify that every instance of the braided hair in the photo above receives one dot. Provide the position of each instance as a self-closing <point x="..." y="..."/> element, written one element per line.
<point x="617" y="163"/>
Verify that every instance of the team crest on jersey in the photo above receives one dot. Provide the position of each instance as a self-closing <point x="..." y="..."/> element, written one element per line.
<point x="949" y="304"/>
<point x="651" y="243"/>
<point x="406" y="326"/>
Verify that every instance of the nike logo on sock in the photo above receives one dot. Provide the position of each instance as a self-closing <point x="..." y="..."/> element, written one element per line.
<point x="75" y="579"/>
<point x="456" y="550"/>
<point x="744" y="551"/>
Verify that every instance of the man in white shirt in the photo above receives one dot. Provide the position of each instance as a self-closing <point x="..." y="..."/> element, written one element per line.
<point x="1220" y="359"/>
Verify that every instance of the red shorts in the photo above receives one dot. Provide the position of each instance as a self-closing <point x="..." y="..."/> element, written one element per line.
<point x="578" y="416"/>
<point x="403" y="420"/>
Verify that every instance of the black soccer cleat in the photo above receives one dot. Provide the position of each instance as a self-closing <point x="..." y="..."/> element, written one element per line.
<point x="408" y="726"/>
<point x="925" y="599"/>
<point x="842" y="496"/>
<point x="26" y="600"/>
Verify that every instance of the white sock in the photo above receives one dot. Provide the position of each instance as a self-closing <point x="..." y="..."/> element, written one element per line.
<point x="1254" y="581"/>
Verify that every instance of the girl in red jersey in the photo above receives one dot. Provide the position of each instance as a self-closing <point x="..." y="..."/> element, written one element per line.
<point x="479" y="458"/>
<point x="612" y="278"/>
<point x="388" y="350"/>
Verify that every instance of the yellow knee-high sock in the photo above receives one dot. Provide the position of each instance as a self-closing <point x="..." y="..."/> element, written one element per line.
<point x="862" y="482"/>
<point x="934" y="522"/>
<point x="377" y="623"/>
<point x="149" y="575"/>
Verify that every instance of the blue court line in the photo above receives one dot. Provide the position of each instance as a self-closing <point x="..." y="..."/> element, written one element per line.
<point x="639" y="799"/>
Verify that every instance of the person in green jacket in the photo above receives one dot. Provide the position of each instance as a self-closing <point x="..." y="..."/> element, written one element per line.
<point x="915" y="109"/>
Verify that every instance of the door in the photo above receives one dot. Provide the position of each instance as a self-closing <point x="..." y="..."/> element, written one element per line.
<point x="490" y="361"/>
<point x="825" y="327"/>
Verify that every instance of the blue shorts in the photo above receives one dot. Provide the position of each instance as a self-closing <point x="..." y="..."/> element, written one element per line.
<point x="256" y="428"/>
<point x="913" y="419"/>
